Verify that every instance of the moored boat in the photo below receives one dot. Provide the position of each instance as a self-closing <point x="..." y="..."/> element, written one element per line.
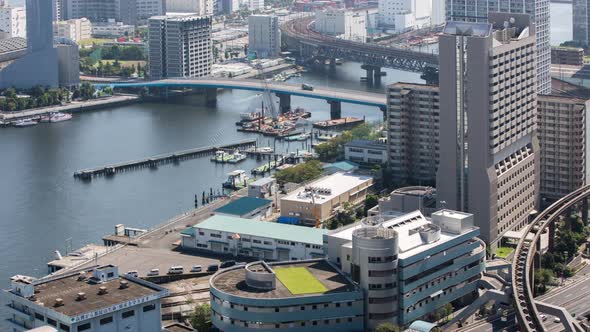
<point x="25" y="123"/>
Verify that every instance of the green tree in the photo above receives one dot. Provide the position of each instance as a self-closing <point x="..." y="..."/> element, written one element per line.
<point x="309" y="170"/>
<point x="387" y="327"/>
<point x="566" y="242"/>
<point x="370" y="202"/>
<point x="542" y="278"/>
<point x="201" y="318"/>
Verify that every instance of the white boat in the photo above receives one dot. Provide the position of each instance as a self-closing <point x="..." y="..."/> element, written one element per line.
<point x="250" y="116"/>
<point x="236" y="157"/>
<point x="25" y="123"/>
<point x="59" y="117"/>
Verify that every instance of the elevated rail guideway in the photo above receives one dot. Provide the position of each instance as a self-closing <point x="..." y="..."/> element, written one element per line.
<point x="522" y="266"/>
<point x="299" y="36"/>
<point x="284" y="91"/>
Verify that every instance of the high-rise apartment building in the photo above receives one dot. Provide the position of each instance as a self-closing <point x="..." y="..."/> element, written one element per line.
<point x="489" y="151"/>
<point x="402" y="15"/>
<point x="562" y="137"/>
<point x="149" y="8"/>
<point x="413" y="129"/>
<point x="13" y="21"/>
<point x="76" y="29"/>
<point x="56" y="10"/>
<point x="180" y="46"/>
<point x="264" y="36"/>
<point x="198" y="7"/>
<point x="101" y="10"/>
<point x="477" y="11"/>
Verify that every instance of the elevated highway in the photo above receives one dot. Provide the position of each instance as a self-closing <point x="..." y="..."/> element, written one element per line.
<point x="284" y="91"/>
<point x="523" y="264"/>
<point x="299" y="36"/>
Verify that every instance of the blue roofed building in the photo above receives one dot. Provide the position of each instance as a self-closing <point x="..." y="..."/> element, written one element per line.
<point x="341" y="166"/>
<point x="230" y="235"/>
<point x="247" y="207"/>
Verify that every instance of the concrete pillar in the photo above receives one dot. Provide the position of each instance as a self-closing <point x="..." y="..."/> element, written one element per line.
<point x="369" y="70"/>
<point x="384" y="111"/>
<point x="551" y="235"/>
<point x="377" y="72"/>
<point x="284" y="102"/>
<point x="335" y="109"/>
<point x="211" y="96"/>
<point x="585" y="211"/>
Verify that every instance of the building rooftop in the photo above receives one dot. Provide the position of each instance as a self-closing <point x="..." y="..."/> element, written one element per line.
<point x="433" y="88"/>
<point x="367" y="144"/>
<point x="421" y="191"/>
<point x="243" y="205"/>
<point x="69" y="287"/>
<point x="345" y="166"/>
<point x="12" y="44"/>
<point x="177" y="327"/>
<point x="468" y="29"/>
<point x="262" y="182"/>
<point x="328" y="187"/>
<point x="319" y="272"/>
<point x="266" y="229"/>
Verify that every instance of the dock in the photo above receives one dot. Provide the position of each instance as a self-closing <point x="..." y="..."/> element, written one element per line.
<point x="267" y="167"/>
<point x="154" y="161"/>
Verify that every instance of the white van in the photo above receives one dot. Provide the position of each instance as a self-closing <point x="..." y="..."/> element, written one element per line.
<point x="154" y="272"/>
<point x="196" y="268"/>
<point x="133" y="273"/>
<point x="176" y="270"/>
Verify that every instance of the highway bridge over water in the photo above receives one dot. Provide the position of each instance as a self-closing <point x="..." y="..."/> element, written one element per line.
<point x="334" y="97"/>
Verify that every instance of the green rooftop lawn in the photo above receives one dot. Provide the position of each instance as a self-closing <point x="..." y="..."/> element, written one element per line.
<point x="503" y="252"/>
<point x="299" y="280"/>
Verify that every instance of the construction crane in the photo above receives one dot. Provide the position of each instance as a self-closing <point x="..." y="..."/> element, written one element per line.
<point x="266" y="94"/>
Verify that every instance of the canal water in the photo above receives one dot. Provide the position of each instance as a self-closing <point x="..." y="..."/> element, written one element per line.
<point x="42" y="205"/>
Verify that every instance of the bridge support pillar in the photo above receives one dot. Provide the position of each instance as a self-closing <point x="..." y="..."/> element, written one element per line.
<point x="211" y="97"/>
<point x="585" y="211"/>
<point x="335" y="109"/>
<point x="383" y="109"/>
<point x="551" y="235"/>
<point x="284" y="102"/>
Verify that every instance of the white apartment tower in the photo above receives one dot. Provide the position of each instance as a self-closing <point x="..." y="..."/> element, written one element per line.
<point x="489" y="150"/>
<point x="180" y="46"/>
<point x="13" y="21"/>
<point x="477" y="11"/>
<point x="264" y="36"/>
<point x="345" y="24"/>
<point x="402" y="15"/>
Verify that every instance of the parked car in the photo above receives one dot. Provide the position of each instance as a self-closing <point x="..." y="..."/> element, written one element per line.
<point x="176" y="270"/>
<point x="153" y="272"/>
<point x="133" y="273"/>
<point x="543" y="317"/>
<point x="556" y="320"/>
<point x="227" y="264"/>
<point x="197" y="268"/>
<point x="307" y="87"/>
<point x="212" y="268"/>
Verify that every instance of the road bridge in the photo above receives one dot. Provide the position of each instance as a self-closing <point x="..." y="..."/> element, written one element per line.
<point x="528" y="250"/>
<point x="299" y="36"/>
<point x="284" y="91"/>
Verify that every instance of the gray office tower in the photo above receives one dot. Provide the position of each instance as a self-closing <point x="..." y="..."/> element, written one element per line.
<point x="489" y="151"/>
<point x="477" y="11"/>
<point x="180" y="46"/>
<point x="264" y="36"/>
<point x="581" y="23"/>
<point x="101" y="10"/>
<point x="39" y="66"/>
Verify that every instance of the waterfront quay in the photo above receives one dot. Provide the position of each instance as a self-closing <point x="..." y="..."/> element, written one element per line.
<point x="154" y="161"/>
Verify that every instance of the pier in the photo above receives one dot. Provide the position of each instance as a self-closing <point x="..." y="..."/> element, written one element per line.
<point x="154" y="161"/>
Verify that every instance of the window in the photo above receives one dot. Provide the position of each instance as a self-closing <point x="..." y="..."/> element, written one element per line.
<point x="51" y="322"/>
<point x="39" y="317"/>
<point x="106" y="320"/>
<point x="64" y="327"/>
<point x="110" y="274"/>
<point x="256" y="241"/>
<point x="84" y="327"/>
<point x="128" y="314"/>
<point x="149" y="307"/>
<point x="268" y="243"/>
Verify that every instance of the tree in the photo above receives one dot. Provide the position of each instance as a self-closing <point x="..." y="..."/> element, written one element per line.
<point x="566" y="242"/>
<point x="201" y="318"/>
<point x="370" y="202"/>
<point x="387" y="327"/>
<point x="309" y="170"/>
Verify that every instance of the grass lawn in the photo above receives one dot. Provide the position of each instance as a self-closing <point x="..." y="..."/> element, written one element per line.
<point x="503" y="252"/>
<point x="124" y="63"/>
<point x="299" y="280"/>
<point x="90" y="41"/>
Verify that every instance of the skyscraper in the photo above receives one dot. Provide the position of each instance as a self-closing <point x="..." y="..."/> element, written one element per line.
<point x="580" y="22"/>
<point x="180" y="46"/>
<point x="477" y="11"/>
<point x="101" y="10"/>
<point x="489" y="151"/>
<point x="264" y="36"/>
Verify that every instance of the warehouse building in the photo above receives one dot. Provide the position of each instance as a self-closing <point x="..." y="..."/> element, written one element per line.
<point x="247" y="207"/>
<point x="265" y="240"/>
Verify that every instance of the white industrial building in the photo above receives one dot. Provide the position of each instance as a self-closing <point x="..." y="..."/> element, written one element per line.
<point x="342" y="23"/>
<point x="403" y="15"/>
<point x="264" y="36"/>
<point x="75" y="29"/>
<point x="198" y="7"/>
<point x="366" y="152"/>
<point x="13" y="21"/>
<point x="112" y="29"/>
<point x="265" y="240"/>
<point x="97" y="300"/>
<point x="254" y="5"/>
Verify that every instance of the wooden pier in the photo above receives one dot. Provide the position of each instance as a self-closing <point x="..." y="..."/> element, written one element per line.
<point x="154" y="161"/>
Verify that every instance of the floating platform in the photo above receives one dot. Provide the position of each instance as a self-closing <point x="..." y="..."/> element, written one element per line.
<point x="343" y="123"/>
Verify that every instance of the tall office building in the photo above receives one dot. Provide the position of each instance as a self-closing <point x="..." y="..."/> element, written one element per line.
<point x="562" y="137"/>
<point x="413" y="127"/>
<point x="56" y="10"/>
<point x="477" y="11"/>
<point x="101" y="10"/>
<point x="264" y="36"/>
<point x="489" y="151"/>
<point x="180" y="46"/>
<point x="580" y="21"/>
<point x="149" y="8"/>
<point x="198" y="7"/>
<point x="13" y="21"/>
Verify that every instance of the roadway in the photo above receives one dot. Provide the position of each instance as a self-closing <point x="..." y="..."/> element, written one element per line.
<point x="328" y="94"/>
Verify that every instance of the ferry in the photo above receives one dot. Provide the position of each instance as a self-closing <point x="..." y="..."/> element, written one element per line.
<point x="59" y="117"/>
<point x="25" y="123"/>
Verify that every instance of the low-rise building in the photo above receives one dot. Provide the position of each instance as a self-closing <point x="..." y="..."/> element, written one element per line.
<point x="405" y="200"/>
<point x="75" y="29"/>
<point x="408" y="265"/>
<point x="342" y="23"/>
<point x="320" y="199"/>
<point x="265" y="240"/>
<point x="13" y="21"/>
<point x="247" y="207"/>
<point x="366" y="152"/>
<point x="98" y="300"/>
<point x="288" y="296"/>
<point x="567" y="56"/>
<point x="112" y="29"/>
<point x="262" y="188"/>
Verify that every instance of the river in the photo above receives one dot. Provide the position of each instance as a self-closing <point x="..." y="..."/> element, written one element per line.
<point x="42" y="205"/>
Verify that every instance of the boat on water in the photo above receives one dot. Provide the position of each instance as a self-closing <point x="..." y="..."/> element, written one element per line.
<point x="237" y="180"/>
<point x="25" y="123"/>
<point x="221" y="157"/>
<point x="338" y="61"/>
<point x="59" y="117"/>
<point x="300" y="137"/>
<point x="250" y="116"/>
<point x="45" y="119"/>
<point x="236" y="157"/>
